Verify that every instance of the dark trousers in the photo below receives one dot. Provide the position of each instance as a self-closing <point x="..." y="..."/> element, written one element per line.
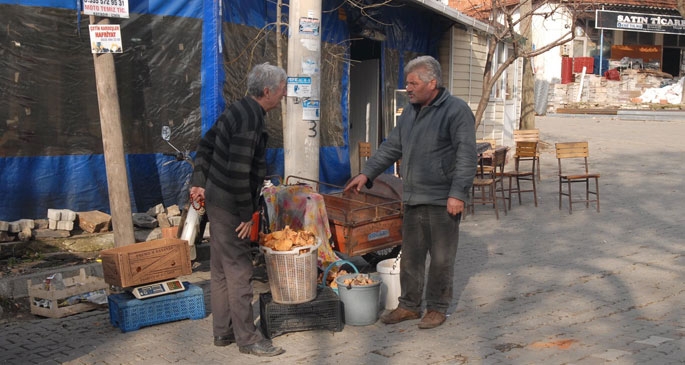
<point x="428" y="229"/>
<point x="231" y="269"/>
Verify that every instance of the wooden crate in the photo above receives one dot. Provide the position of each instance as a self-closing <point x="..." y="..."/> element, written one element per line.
<point x="51" y="298"/>
<point x="364" y="223"/>
<point x="146" y="262"/>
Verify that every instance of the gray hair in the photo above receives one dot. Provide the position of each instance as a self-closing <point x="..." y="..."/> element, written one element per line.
<point x="430" y="69"/>
<point x="264" y="75"/>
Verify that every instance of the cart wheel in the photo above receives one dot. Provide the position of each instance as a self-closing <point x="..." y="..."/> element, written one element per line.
<point x="373" y="258"/>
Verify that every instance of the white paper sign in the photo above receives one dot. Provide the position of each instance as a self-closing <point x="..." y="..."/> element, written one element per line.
<point x="106" y="8"/>
<point x="310" y="110"/>
<point x="310" y="26"/>
<point x="300" y="87"/>
<point x="105" y="38"/>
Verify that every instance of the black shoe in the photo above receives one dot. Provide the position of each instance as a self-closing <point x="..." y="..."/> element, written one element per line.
<point x="262" y="348"/>
<point x="224" y="340"/>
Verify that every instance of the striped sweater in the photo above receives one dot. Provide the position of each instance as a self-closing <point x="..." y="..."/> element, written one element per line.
<point x="230" y="162"/>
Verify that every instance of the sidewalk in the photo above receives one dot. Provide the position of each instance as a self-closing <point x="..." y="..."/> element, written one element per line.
<point x="538" y="286"/>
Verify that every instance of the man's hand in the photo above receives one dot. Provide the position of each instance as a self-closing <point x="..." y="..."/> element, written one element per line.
<point x="454" y="206"/>
<point x="197" y="193"/>
<point x="357" y="183"/>
<point x="244" y="229"/>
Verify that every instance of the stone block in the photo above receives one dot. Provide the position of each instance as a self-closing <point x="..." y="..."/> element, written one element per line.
<point x="154" y="211"/>
<point x="175" y="220"/>
<point x="65" y="225"/>
<point x="26" y="234"/>
<point x="173" y="211"/>
<point x="52" y="223"/>
<point x="143" y="220"/>
<point x="4" y="226"/>
<point x="68" y="215"/>
<point x="89" y="243"/>
<point x="41" y="224"/>
<point x="144" y="235"/>
<point x="55" y="214"/>
<point x="18" y="226"/>
<point x="163" y="220"/>
<point x="6" y="237"/>
<point x="94" y="221"/>
<point x="49" y="233"/>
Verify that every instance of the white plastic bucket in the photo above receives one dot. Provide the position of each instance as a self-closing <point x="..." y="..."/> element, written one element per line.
<point x="389" y="271"/>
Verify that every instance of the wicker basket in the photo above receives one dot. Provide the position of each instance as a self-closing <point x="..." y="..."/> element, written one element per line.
<point x="292" y="274"/>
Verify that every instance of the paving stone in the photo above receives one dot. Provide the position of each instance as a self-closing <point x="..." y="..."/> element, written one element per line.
<point x="654" y="340"/>
<point x="611" y="354"/>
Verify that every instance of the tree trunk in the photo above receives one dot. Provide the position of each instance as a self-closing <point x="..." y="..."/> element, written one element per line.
<point x="527" y="96"/>
<point x="528" y="79"/>
<point x="487" y="77"/>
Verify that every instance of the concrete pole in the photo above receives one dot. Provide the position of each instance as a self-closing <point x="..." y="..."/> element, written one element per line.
<point x="301" y="128"/>
<point x="113" y="146"/>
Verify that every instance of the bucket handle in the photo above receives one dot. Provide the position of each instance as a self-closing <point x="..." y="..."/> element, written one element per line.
<point x="336" y="263"/>
<point x="397" y="260"/>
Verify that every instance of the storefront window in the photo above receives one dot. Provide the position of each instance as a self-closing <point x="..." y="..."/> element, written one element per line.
<point x="673" y="40"/>
<point x="630" y="38"/>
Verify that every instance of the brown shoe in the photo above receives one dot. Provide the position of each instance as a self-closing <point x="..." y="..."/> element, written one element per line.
<point x="432" y="319"/>
<point x="398" y="315"/>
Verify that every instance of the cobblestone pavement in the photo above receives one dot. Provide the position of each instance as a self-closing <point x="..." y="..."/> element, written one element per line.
<point x="538" y="286"/>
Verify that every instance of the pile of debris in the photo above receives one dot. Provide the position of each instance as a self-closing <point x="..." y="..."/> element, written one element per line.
<point x="636" y="89"/>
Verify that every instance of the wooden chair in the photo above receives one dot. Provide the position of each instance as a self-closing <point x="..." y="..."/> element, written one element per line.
<point x="529" y="135"/>
<point x="364" y="153"/>
<point x="576" y="173"/>
<point x="490" y="182"/>
<point x="485" y="162"/>
<point x="526" y="154"/>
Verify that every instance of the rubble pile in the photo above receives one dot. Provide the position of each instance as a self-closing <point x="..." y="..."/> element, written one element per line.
<point x="636" y="89"/>
<point x="63" y="223"/>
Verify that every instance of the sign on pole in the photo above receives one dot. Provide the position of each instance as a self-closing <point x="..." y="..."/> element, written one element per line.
<point x="105" y="38"/>
<point x="106" y="8"/>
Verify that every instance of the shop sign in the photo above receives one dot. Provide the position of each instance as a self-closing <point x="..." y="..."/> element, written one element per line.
<point x="639" y="22"/>
<point x="106" y="8"/>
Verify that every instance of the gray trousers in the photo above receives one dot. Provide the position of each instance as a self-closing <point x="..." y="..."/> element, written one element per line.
<point x="231" y="270"/>
<point x="428" y="229"/>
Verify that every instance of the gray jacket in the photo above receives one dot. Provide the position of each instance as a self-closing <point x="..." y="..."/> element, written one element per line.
<point x="437" y="145"/>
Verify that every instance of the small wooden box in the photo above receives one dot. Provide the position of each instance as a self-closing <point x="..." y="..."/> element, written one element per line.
<point x="46" y="301"/>
<point x="146" y="262"/>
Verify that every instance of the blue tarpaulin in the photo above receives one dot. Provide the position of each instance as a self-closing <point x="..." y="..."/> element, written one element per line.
<point x="183" y="60"/>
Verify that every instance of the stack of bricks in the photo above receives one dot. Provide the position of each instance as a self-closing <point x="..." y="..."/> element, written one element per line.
<point x="596" y="86"/>
<point x="61" y="219"/>
<point x="21" y="229"/>
<point x="557" y="97"/>
<point x="603" y="93"/>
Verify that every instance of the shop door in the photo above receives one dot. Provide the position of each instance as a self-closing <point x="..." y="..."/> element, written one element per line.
<point x="364" y="108"/>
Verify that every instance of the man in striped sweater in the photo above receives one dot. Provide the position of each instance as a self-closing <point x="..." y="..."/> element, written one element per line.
<point x="229" y="171"/>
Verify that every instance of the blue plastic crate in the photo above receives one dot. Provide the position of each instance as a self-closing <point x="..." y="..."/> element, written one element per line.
<point x="130" y="314"/>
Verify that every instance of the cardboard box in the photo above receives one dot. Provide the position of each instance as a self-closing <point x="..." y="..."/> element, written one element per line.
<point x="146" y="262"/>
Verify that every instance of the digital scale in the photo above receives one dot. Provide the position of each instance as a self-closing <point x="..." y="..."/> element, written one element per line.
<point x="157" y="289"/>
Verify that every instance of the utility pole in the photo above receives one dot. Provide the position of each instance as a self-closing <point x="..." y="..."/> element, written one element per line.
<point x="301" y="128"/>
<point x="113" y="146"/>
